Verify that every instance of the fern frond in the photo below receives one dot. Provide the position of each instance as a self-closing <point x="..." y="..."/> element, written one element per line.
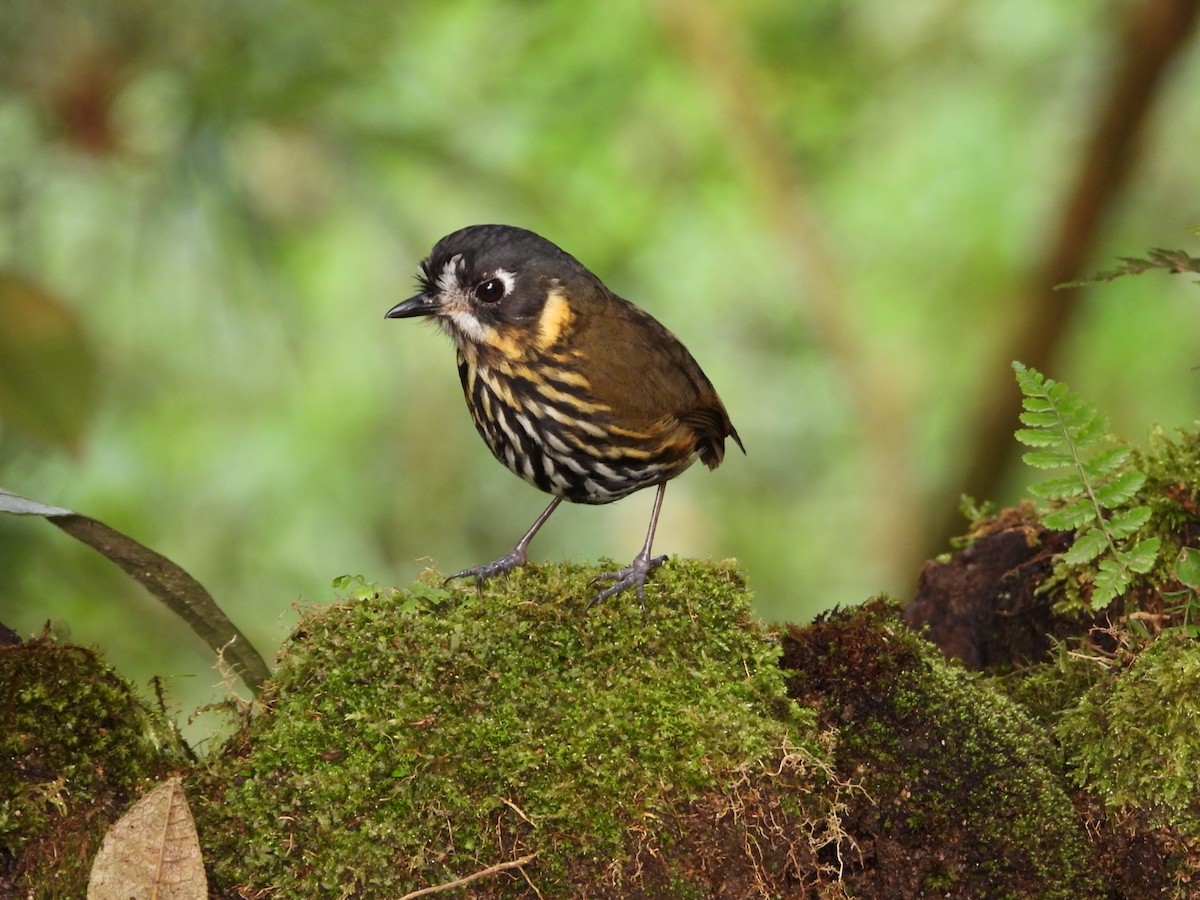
<point x="1087" y="547"/>
<point x="1174" y="261"/>
<point x="1094" y="499"/>
<point x="1124" y="523"/>
<point x="1144" y="555"/>
<point x="1112" y="579"/>
<point x="1120" y="490"/>
<point x="1071" y="516"/>
<point x="1107" y="461"/>
<point x="1056" y="488"/>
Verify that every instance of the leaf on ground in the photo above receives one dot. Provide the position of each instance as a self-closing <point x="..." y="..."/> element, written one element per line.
<point x="151" y="851"/>
<point x="182" y="593"/>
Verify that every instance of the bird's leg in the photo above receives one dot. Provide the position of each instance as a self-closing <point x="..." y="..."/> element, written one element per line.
<point x="517" y="556"/>
<point x="643" y="564"/>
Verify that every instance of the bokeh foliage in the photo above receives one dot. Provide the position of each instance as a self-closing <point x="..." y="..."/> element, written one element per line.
<point x="836" y="206"/>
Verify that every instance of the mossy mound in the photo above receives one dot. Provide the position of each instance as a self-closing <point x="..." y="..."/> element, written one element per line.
<point x="965" y="793"/>
<point x="1134" y="738"/>
<point x="415" y="737"/>
<point x="1126" y="724"/>
<point x="76" y="741"/>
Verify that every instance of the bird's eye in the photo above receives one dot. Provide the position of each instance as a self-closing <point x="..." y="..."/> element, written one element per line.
<point x="490" y="291"/>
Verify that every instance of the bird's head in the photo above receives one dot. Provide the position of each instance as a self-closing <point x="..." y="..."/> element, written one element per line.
<point x="499" y="287"/>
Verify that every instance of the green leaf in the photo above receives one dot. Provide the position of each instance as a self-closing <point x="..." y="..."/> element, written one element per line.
<point x="1187" y="569"/>
<point x="1035" y="437"/>
<point x="1174" y="261"/>
<point x="1126" y="522"/>
<point x="1088" y="545"/>
<point x="1087" y="425"/>
<point x="1038" y="419"/>
<point x="1120" y="490"/>
<point x="1058" y="488"/>
<point x="1071" y="516"/>
<point x="1065" y="431"/>
<point x="1111" y="580"/>
<point x="1056" y="390"/>
<point x="1039" y="405"/>
<point x="1143" y="556"/>
<point x="1049" y="459"/>
<point x="1107" y="461"/>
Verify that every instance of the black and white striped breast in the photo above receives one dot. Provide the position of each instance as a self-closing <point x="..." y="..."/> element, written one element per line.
<point x="552" y="434"/>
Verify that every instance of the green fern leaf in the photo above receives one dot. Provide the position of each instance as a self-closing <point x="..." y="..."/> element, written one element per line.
<point x="1049" y="459"/>
<point x="1036" y="437"/>
<point x="1039" y="418"/>
<point x="1112" y="579"/>
<point x="1056" y="488"/>
<point x="1093" y="499"/>
<point x="1126" y="522"/>
<point x="1107" y="461"/>
<point x="1033" y="401"/>
<point x="1143" y="556"/>
<point x="1120" y="490"/>
<point x="1028" y="380"/>
<point x="1089" y="426"/>
<point x="1174" y="261"/>
<point x="1071" y="516"/>
<point x="1088" y="545"/>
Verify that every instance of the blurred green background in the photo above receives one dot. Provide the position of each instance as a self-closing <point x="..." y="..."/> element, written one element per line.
<point x="848" y="212"/>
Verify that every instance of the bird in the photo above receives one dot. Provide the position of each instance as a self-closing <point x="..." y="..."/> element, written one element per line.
<point x="579" y="392"/>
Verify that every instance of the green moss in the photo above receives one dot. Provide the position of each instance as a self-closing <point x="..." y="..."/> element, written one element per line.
<point x="412" y="737"/>
<point x="76" y="741"/>
<point x="1048" y="689"/>
<point x="1171" y="462"/>
<point x="965" y="787"/>
<point x="1133" y="738"/>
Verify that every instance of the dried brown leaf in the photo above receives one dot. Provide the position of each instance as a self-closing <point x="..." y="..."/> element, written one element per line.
<point x="152" y="851"/>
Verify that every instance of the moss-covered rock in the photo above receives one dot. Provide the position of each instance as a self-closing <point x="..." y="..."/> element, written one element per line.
<point x="1134" y="738"/>
<point x="414" y="737"/>
<point x="76" y="743"/>
<point x="966" y="796"/>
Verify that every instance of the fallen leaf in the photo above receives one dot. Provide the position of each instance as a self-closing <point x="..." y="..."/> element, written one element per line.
<point x="151" y="852"/>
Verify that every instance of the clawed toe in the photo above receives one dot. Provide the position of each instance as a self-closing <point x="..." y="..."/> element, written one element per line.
<point x="501" y="566"/>
<point x="634" y="575"/>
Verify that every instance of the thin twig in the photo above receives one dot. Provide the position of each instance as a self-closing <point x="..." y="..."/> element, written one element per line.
<point x="520" y="812"/>
<point x="474" y="876"/>
<point x="529" y="881"/>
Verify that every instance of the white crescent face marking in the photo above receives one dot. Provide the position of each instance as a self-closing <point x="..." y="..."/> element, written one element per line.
<point x="456" y="315"/>
<point x="448" y="281"/>
<point x="508" y="279"/>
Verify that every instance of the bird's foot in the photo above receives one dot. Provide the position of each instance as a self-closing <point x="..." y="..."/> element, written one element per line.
<point x="634" y="575"/>
<point x="509" y="561"/>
